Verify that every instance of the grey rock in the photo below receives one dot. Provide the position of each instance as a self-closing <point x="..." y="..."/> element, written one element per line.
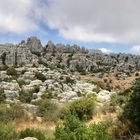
<point x="11" y="89"/>
<point x="35" y="83"/>
<point x="34" y="44"/>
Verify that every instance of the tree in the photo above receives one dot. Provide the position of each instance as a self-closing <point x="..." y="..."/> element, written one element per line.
<point x="132" y="108"/>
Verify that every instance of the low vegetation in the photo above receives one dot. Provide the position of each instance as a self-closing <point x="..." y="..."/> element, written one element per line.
<point x="83" y="108"/>
<point x="8" y="132"/>
<point x="32" y="133"/>
<point x="10" y="113"/>
<point x="40" y="76"/>
<point x="73" y="129"/>
<point x="11" y="71"/>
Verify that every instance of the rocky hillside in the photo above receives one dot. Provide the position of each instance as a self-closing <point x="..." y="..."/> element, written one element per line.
<point x="73" y="58"/>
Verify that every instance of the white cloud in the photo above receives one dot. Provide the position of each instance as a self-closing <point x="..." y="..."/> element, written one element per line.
<point x="105" y="50"/>
<point x="94" y="20"/>
<point x="17" y="16"/>
<point x="83" y="20"/>
<point x="135" y="49"/>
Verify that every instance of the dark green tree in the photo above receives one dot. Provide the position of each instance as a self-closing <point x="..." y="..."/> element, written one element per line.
<point x="132" y="108"/>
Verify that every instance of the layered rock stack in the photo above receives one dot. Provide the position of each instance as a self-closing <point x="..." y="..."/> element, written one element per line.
<point x="21" y="54"/>
<point x="72" y="57"/>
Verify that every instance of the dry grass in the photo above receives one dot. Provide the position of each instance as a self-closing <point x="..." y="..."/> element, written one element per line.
<point x="101" y="117"/>
<point x="36" y="125"/>
<point x="121" y="84"/>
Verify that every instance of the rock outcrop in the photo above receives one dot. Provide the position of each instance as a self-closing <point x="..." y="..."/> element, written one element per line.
<point x="70" y="57"/>
<point x="34" y="44"/>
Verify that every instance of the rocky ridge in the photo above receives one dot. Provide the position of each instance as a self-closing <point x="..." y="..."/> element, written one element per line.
<point x="73" y="58"/>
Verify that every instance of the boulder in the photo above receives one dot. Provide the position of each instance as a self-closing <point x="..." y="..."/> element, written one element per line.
<point x="29" y="138"/>
<point x="28" y="75"/>
<point x="68" y="96"/>
<point x="104" y="95"/>
<point x="36" y="83"/>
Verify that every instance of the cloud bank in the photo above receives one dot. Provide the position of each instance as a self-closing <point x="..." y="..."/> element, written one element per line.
<point x="115" y="21"/>
<point x="17" y="16"/>
<point x="95" y="20"/>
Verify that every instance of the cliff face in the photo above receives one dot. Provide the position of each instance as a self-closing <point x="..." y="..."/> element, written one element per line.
<point x="73" y="57"/>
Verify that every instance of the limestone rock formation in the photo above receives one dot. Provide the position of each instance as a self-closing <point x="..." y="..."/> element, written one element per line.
<point x="72" y="57"/>
<point x="34" y="44"/>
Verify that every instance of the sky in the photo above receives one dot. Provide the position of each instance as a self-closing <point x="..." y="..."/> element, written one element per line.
<point x="110" y="25"/>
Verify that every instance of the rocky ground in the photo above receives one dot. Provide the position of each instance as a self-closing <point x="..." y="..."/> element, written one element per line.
<point x="61" y="86"/>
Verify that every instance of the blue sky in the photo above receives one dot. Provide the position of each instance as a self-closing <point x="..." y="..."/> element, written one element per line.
<point x="112" y="26"/>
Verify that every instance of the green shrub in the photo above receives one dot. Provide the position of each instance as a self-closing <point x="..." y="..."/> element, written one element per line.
<point x="14" y="112"/>
<point x="37" y="54"/>
<point x="40" y="76"/>
<point x="42" y="62"/>
<point x="2" y="96"/>
<point x="60" y="66"/>
<point x="36" y="89"/>
<point x="21" y="82"/>
<point x="25" y="97"/>
<point x="73" y="129"/>
<point x="32" y="133"/>
<point x="49" y="94"/>
<point x="132" y="108"/>
<point x="11" y="71"/>
<point x="47" y="109"/>
<point x="69" y="80"/>
<point x="9" y="79"/>
<point x="80" y="68"/>
<point x="79" y="94"/>
<point x="120" y="98"/>
<point x="8" y="132"/>
<point x="83" y="108"/>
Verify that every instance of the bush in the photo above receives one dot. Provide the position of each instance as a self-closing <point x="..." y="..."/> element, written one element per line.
<point x="2" y="96"/>
<point x="40" y="76"/>
<point x="83" y="108"/>
<point x="68" y="80"/>
<point x="80" y="68"/>
<point x="37" y="54"/>
<point x="47" y="109"/>
<point x="32" y="133"/>
<point x="49" y="94"/>
<point x="8" y="132"/>
<point x="25" y="97"/>
<point x="21" y="82"/>
<point x="132" y="108"/>
<point x="73" y="129"/>
<point x="42" y="62"/>
<point x="11" y="71"/>
<point x="119" y="99"/>
<point x="14" y="112"/>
